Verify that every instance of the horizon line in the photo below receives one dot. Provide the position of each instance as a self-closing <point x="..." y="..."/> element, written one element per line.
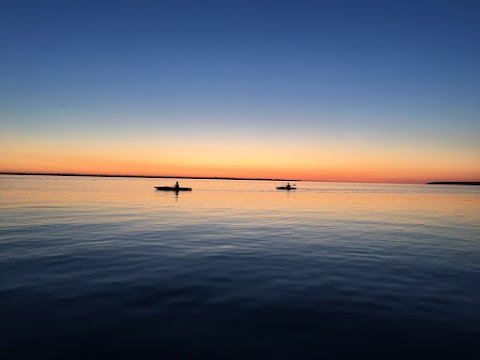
<point x="201" y="177"/>
<point x="146" y="176"/>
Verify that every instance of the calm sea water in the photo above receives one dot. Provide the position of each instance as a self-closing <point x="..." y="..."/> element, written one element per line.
<point x="109" y="267"/>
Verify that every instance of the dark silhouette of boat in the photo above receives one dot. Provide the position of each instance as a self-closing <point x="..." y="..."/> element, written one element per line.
<point x="172" y="188"/>
<point x="288" y="187"/>
<point x="175" y="188"/>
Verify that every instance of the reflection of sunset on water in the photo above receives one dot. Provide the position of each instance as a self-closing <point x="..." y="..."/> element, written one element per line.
<point x="312" y="201"/>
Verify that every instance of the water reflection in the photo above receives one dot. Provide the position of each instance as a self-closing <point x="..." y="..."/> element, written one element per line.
<point x="325" y="268"/>
<point x="169" y="194"/>
<point x="312" y="202"/>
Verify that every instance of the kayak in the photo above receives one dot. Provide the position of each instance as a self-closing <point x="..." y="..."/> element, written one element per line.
<point x="172" y="188"/>
<point x="286" y="188"/>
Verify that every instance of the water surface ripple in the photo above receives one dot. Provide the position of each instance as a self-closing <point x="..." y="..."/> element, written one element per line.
<point x="93" y="267"/>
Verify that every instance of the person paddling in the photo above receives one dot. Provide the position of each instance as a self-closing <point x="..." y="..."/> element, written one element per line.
<point x="176" y="185"/>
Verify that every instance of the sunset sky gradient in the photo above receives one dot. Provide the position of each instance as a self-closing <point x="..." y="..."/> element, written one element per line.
<point x="381" y="91"/>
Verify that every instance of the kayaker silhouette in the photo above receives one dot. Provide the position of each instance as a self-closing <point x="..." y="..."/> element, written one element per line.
<point x="176" y="185"/>
<point x="288" y="186"/>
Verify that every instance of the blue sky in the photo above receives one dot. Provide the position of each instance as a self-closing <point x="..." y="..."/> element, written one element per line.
<point x="398" y="70"/>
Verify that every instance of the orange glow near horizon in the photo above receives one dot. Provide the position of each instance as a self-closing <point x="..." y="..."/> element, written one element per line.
<point x="235" y="159"/>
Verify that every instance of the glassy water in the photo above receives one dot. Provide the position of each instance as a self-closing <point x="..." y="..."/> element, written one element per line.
<point x="109" y="267"/>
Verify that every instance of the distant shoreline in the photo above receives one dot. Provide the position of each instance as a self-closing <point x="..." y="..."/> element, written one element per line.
<point x="454" y="183"/>
<point x="147" y="176"/>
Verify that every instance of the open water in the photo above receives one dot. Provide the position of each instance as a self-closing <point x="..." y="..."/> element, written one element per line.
<point x="109" y="267"/>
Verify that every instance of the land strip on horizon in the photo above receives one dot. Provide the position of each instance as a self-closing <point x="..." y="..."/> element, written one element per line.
<point x="147" y="176"/>
<point x="454" y="183"/>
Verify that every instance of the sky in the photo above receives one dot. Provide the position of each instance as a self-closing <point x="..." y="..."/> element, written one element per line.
<point x="371" y="91"/>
